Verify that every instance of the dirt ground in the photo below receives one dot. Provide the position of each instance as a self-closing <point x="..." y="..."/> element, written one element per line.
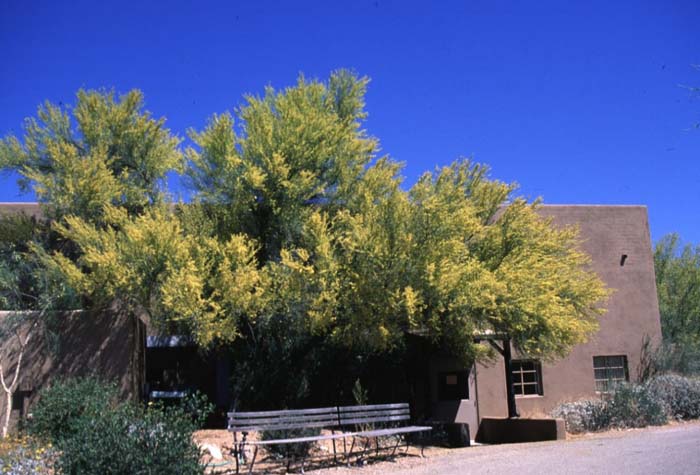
<point x="321" y="460"/>
<point x="321" y="456"/>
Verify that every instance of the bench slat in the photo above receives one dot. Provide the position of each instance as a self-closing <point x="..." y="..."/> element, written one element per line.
<point x="367" y="420"/>
<point x="390" y="412"/>
<point x="374" y="407"/>
<point x="301" y="439"/>
<point x="259" y="427"/>
<point x="279" y="420"/>
<point x="290" y="412"/>
<point x="392" y="431"/>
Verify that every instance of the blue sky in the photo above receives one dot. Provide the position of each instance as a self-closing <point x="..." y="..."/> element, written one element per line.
<point x="579" y="102"/>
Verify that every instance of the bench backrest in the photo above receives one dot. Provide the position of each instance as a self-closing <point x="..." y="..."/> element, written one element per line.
<point x="280" y="420"/>
<point x="376" y="413"/>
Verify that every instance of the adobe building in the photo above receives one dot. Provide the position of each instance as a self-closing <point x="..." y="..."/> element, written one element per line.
<point x="618" y="241"/>
<point x="616" y="238"/>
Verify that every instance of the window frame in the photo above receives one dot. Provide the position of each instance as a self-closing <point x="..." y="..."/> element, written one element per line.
<point x="519" y="386"/>
<point x="607" y="385"/>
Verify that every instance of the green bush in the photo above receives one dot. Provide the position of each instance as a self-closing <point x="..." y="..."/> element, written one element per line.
<point x="97" y="435"/>
<point x="583" y="416"/>
<point x="680" y="395"/>
<point x="628" y="406"/>
<point x="198" y="407"/>
<point x="61" y="407"/>
<point x="633" y="405"/>
<point x="132" y="441"/>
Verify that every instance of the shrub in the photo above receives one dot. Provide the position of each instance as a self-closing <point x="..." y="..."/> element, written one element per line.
<point x="131" y="440"/>
<point x="633" y="405"/>
<point x="58" y="412"/>
<point x="198" y="407"/>
<point x="669" y="357"/>
<point x="97" y="435"/>
<point x="583" y="416"/>
<point x="680" y="395"/>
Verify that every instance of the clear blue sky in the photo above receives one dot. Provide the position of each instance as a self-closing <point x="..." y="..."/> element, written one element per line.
<point x="579" y="102"/>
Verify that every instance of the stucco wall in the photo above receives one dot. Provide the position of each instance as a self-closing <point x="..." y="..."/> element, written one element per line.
<point x="608" y="232"/>
<point x="106" y="344"/>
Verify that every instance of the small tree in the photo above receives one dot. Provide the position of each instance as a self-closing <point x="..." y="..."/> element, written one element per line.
<point x="29" y="292"/>
<point x="677" y="268"/>
<point x="22" y="341"/>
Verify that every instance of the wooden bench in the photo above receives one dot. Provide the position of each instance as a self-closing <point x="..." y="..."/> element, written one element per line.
<point x="320" y="418"/>
<point x="378" y="420"/>
<point x="359" y="422"/>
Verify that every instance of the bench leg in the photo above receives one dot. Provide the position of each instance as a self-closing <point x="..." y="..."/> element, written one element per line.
<point x="398" y="441"/>
<point x="349" y="454"/>
<point x="335" y="455"/>
<point x="235" y="452"/>
<point x="252" y="462"/>
<point x="235" y="455"/>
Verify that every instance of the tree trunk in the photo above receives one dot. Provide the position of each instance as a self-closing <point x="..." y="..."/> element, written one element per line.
<point x="9" y="390"/>
<point x="8" y="411"/>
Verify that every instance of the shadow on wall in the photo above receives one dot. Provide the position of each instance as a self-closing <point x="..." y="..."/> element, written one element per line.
<point x="106" y="344"/>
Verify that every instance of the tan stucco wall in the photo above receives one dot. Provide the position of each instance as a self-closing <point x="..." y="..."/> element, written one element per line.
<point x="107" y="344"/>
<point x="633" y="312"/>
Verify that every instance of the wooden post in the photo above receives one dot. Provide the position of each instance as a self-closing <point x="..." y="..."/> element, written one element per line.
<point x="512" y="409"/>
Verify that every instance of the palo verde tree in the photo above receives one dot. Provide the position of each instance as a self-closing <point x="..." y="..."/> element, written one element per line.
<point x="103" y="158"/>
<point x="354" y="260"/>
<point x="105" y="151"/>
<point x="302" y="242"/>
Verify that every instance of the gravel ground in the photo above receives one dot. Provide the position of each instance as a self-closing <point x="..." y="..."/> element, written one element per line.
<point x="673" y="449"/>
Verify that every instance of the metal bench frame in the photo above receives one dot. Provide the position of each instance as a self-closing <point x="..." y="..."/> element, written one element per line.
<point x="243" y="422"/>
<point x="372" y="415"/>
<point x="333" y="418"/>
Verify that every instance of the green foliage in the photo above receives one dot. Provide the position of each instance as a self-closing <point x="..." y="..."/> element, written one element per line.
<point x="97" y="435"/>
<point x="104" y="151"/>
<point x="677" y="268"/>
<point x="680" y="395"/>
<point x="198" y="407"/>
<point x="586" y="415"/>
<point x="297" y="149"/>
<point x="59" y="413"/>
<point x="131" y="441"/>
<point x="359" y="393"/>
<point x="635" y="405"/>
<point x="301" y="240"/>
<point x="668" y="357"/>
<point x="25" y="284"/>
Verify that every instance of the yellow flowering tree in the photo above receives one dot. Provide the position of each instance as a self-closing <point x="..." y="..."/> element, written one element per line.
<point x="301" y="243"/>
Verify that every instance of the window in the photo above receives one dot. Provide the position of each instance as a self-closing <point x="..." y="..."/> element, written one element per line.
<point x="527" y="377"/>
<point x="453" y="386"/>
<point x="609" y="371"/>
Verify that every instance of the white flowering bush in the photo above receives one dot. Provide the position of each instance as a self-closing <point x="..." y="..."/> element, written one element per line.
<point x="635" y="405"/>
